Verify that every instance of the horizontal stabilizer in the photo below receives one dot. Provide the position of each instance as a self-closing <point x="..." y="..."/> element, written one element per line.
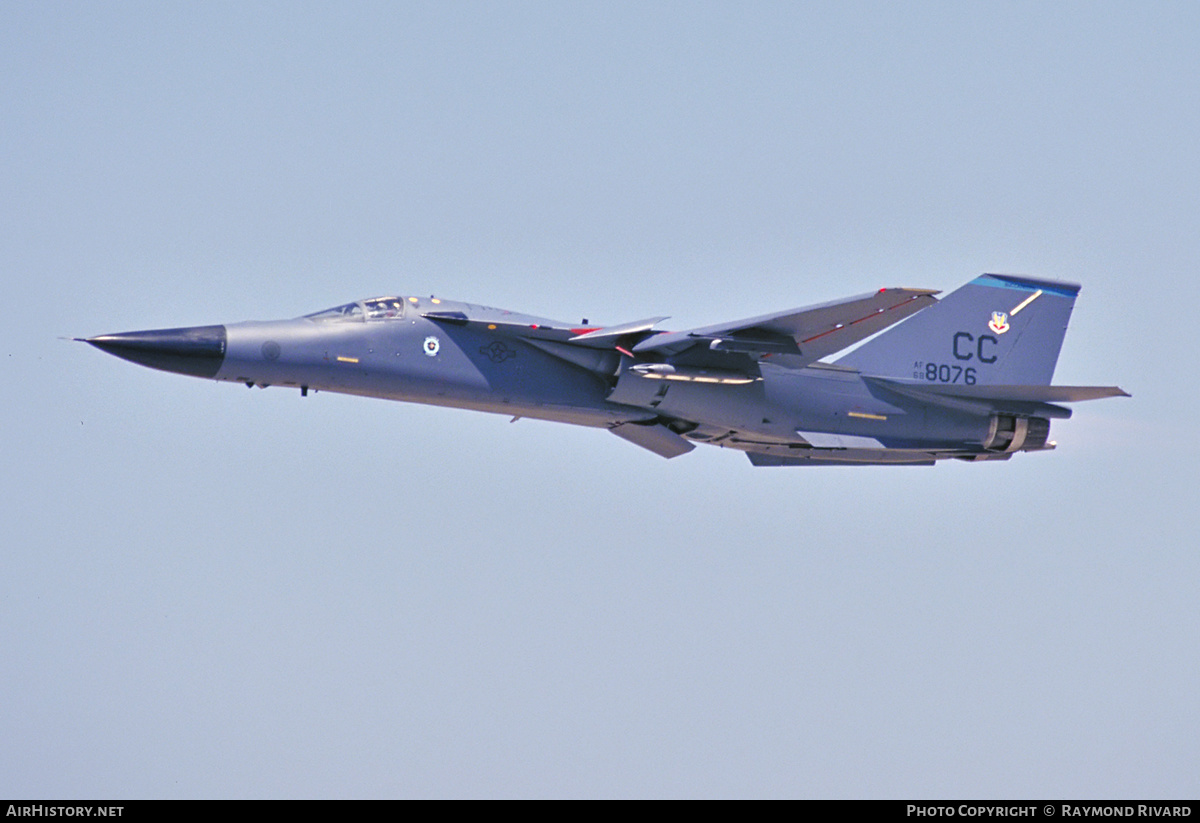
<point x="1028" y="394"/>
<point x="1021" y="400"/>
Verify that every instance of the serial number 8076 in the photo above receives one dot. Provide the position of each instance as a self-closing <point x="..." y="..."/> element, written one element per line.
<point x="946" y="373"/>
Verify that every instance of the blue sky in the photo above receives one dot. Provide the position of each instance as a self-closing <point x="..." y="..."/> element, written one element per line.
<point x="215" y="592"/>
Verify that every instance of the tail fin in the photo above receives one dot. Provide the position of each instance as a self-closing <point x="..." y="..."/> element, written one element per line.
<point x="999" y="329"/>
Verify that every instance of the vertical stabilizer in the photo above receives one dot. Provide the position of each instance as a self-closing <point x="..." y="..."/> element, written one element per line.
<point x="999" y="329"/>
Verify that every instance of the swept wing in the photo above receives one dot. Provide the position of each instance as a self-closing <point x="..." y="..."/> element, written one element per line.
<point x="796" y="337"/>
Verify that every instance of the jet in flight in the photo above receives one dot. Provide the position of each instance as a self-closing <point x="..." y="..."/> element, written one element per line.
<point x="965" y="377"/>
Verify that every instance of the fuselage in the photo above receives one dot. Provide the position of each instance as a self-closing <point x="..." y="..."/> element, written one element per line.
<point x="917" y="379"/>
<point x="664" y="396"/>
<point x="402" y="355"/>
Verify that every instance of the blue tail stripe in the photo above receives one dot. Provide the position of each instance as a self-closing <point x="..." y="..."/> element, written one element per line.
<point x="1009" y="281"/>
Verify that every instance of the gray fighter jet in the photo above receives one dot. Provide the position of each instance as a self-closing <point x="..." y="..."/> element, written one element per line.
<point x="966" y="377"/>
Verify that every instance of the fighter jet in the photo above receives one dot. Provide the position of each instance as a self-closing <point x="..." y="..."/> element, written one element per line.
<point x="965" y="377"/>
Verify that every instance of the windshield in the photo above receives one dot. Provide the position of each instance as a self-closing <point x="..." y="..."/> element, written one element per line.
<point x="350" y="311"/>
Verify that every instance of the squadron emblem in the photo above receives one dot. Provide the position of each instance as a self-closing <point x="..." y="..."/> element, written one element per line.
<point x="999" y="322"/>
<point x="432" y="344"/>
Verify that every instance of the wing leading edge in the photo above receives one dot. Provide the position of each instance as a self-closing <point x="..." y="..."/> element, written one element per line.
<point x="796" y="337"/>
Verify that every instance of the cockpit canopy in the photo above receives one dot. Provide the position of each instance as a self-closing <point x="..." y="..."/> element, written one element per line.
<point x="377" y="308"/>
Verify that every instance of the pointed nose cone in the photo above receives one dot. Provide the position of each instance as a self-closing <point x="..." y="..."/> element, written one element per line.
<point x="199" y="350"/>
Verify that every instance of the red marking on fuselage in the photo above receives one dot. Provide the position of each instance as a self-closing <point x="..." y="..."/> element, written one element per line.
<point x="860" y="319"/>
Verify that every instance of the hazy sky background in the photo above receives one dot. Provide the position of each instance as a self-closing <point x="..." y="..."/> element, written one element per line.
<point x="214" y="592"/>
